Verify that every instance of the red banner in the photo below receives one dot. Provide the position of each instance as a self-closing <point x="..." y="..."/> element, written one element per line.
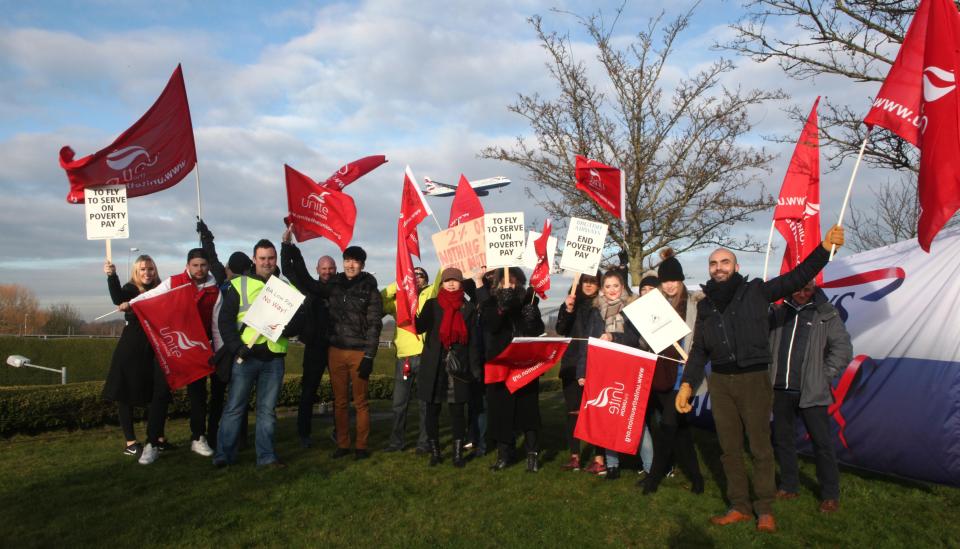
<point x="605" y="184"/>
<point x="797" y="216"/>
<point x="153" y="154"/>
<point x="408" y="297"/>
<point x="176" y="333"/>
<point x="318" y="211"/>
<point x="413" y="210"/>
<point x="615" y="396"/>
<point x="354" y="171"/>
<point x="466" y="204"/>
<point x="540" y="278"/>
<point x="525" y="359"/>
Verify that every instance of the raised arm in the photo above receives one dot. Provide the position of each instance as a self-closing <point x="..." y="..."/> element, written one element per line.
<point x="293" y="267"/>
<point x="787" y="283"/>
<point x="206" y="242"/>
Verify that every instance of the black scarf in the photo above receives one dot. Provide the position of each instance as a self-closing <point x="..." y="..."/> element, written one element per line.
<point x="721" y="293"/>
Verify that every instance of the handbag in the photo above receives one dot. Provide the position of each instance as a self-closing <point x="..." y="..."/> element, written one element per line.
<point x="454" y="366"/>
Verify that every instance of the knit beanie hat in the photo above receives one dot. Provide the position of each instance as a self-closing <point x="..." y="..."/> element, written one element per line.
<point x="670" y="268"/>
<point x="239" y="263"/>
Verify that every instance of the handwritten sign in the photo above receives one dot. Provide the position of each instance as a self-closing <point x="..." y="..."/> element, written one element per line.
<point x="105" y="209"/>
<point x="275" y="305"/>
<point x="530" y="255"/>
<point x="583" y="246"/>
<point x="462" y="247"/>
<point x="656" y="320"/>
<point x="504" y="239"/>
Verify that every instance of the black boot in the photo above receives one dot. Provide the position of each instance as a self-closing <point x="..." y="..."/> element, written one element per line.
<point x="458" y="453"/>
<point x="650" y="484"/>
<point x="434" y="452"/>
<point x="533" y="465"/>
<point x="503" y="458"/>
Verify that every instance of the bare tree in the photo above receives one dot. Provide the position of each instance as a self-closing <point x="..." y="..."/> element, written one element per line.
<point x="892" y="217"/>
<point x="686" y="168"/>
<point x="62" y="318"/>
<point x="19" y="311"/>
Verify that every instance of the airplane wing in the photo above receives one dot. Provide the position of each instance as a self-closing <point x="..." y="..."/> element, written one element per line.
<point x="435" y="188"/>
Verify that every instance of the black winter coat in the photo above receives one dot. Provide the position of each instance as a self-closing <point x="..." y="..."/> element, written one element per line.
<point x="432" y="379"/>
<point x="574" y="325"/>
<point x="740" y="335"/>
<point x="520" y="319"/>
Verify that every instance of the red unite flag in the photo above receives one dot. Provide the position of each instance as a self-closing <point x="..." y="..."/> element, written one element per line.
<point x="180" y="344"/>
<point x="615" y="394"/>
<point x="524" y="360"/>
<point x="318" y="211"/>
<point x="918" y="102"/>
<point x="540" y="278"/>
<point x="152" y="155"/>
<point x="466" y="204"/>
<point x="354" y="171"/>
<point x="797" y="216"/>
<point x="605" y="184"/>
<point x="407" y="294"/>
<point x="413" y="210"/>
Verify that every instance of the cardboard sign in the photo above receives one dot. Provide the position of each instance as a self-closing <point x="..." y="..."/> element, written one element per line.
<point x="462" y="247"/>
<point x="583" y="247"/>
<point x="274" y="307"/>
<point x="504" y="239"/>
<point x="105" y="209"/>
<point x="656" y="320"/>
<point x="530" y="255"/>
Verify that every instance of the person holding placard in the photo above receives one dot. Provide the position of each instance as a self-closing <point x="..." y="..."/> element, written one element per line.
<point x="572" y="319"/>
<point x="446" y="322"/>
<point x="258" y="361"/>
<point x="732" y="332"/>
<point x="134" y="378"/>
<point x="511" y="311"/>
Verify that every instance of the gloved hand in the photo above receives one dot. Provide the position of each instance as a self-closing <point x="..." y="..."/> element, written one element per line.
<point x="241" y="354"/>
<point x="683" y="398"/>
<point x="530" y="312"/>
<point x="834" y="238"/>
<point x="508" y="299"/>
<point x="205" y="233"/>
<point x="366" y="368"/>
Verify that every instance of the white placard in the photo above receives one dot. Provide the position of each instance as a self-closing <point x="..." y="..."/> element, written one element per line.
<point x="583" y="247"/>
<point x="656" y="320"/>
<point x="530" y="255"/>
<point x="274" y="307"/>
<point x="504" y="239"/>
<point x="105" y="209"/>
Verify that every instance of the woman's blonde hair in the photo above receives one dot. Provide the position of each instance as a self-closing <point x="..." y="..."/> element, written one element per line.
<point x="135" y="280"/>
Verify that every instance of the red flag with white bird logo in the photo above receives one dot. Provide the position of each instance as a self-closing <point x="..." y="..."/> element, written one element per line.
<point x="318" y="211"/>
<point x="524" y="360"/>
<point x="605" y="184"/>
<point x="466" y="204"/>
<point x="540" y="279"/>
<point x="354" y="171"/>
<point x="413" y="210"/>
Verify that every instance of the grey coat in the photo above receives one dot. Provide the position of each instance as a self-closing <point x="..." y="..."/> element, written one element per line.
<point x="828" y="351"/>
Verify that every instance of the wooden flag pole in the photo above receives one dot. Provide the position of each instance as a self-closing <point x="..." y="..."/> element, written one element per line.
<point x="846" y="198"/>
<point x="683" y="354"/>
<point x="106" y="315"/>
<point x="109" y="251"/>
<point x="196" y="173"/>
<point x="766" y="260"/>
<point x="506" y="278"/>
<point x="576" y="282"/>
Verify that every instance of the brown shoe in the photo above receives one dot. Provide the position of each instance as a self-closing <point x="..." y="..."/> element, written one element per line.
<point x="765" y="523"/>
<point x="829" y="506"/>
<point x="731" y="517"/>
<point x="784" y="495"/>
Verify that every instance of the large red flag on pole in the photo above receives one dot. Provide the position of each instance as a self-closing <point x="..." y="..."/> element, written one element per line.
<point x="466" y="204"/>
<point x="615" y="394"/>
<point x="524" y="360"/>
<point x="918" y="101"/>
<point x="353" y="171"/>
<point x="407" y="294"/>
<point x="413" y="210"/>
<point x="175" y="330"/>
<point x="540" y="279"/>
<point x="153" y="154"/>
<point x="318" y="211"/>
<point x="797" y="215"/>
<point x="605" y="184"/>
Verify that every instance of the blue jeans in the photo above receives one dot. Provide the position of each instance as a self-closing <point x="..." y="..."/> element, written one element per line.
<point x="646" y="452"/>
<point x="402" y="392"/>
<point x="268" y="377"/>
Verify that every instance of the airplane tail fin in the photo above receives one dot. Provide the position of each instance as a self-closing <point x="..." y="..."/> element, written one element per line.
<point x="428" y="185"/>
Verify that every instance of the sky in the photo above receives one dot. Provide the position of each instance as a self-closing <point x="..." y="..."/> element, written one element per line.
<point x="313" y="85"/>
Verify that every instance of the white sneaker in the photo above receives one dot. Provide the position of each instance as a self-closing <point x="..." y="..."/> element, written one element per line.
<point x="201" y="447"/>
<point x="149" y="454"/>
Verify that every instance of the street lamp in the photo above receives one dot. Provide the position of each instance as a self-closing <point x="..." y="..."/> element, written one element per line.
<point x="130" y="274"/>
<point x="18" y="361"/>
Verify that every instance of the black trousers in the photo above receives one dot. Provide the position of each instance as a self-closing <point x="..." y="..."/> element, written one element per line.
<point x="218" y="391"/>
<point x="572" y="395"/>
<point x="156" y="419"/>
<point x="786" y="406"/>
<point x="510" y="413"/>
<point x="672" y="438"/>
<point x="458" y="420"/>
<point x="197" y="394"/>
<point x="315" y="360"/>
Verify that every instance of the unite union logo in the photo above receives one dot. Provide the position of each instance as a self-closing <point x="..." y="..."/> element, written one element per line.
<point x="595" y="180"/>
<point x="933" y="92"/>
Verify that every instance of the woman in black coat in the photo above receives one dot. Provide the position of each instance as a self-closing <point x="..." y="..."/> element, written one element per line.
<point x="134" y="378"/>
<point x="572" y="322"/>
<point x="511" y="312"/>
<point x="446" y="321"/>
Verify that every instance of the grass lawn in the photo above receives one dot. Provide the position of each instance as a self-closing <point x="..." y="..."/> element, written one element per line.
<point x="71" y="489"/>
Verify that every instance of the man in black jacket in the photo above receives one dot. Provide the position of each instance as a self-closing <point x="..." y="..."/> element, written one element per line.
<point x="356" y="314"/>
<point x="732" y="333"/>
<point x="316" y="351"/>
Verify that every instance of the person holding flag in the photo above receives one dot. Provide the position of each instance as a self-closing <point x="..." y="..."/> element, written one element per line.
<point x="134" y="378"/>
<point x="511" y="311"/>
<point x="447" y="320"/>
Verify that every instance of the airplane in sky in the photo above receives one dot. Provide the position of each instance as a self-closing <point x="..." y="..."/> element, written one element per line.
<point x="481" y="186"/>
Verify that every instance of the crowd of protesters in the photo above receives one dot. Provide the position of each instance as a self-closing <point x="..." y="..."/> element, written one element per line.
<point x="773" y="347"/>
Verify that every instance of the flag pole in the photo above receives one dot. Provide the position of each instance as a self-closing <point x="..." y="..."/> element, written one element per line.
<point x="766" y="260"/>
<point x="846" y="198"/>
<point x="109" y="251"/>
<point x="196" y="173"/>
<point x="435" y="220"/>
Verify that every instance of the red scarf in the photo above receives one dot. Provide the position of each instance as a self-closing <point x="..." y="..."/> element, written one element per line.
<point x="452" y="328"/>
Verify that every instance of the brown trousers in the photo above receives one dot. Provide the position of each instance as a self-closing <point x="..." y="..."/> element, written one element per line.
<point x="344" y="369"/>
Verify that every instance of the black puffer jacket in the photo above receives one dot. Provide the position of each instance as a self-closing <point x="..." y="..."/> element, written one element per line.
<point x="574" y="325"/>
<point x="355" y="305"/>
<point x="501" y="320"/>
<point x="737" y="340"/>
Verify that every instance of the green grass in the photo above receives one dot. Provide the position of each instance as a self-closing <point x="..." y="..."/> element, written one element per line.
<point x="76" y="489"/>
